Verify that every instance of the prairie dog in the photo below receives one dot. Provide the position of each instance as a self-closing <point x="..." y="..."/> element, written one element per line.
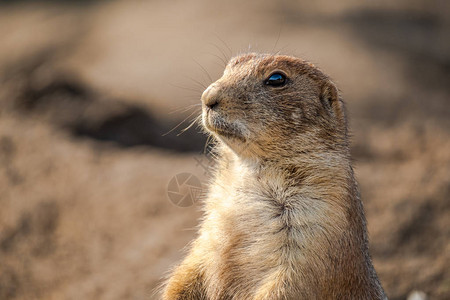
<point x="283" y="216"/>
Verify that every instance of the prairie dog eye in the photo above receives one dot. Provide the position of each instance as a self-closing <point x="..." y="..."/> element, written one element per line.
<point x="277" y="79"/>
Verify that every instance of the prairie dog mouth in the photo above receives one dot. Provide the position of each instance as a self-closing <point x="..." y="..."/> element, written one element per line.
<point x="216" y="123"/>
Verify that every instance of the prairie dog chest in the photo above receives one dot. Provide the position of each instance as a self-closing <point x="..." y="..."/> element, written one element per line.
<point x="260" y="209"/>
<point x="252" y="211"/>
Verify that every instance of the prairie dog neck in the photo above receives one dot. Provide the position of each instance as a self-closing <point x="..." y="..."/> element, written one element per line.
<point x="322" y="174"/>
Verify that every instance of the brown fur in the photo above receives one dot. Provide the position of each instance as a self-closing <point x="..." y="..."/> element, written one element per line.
<point x="283" y="217"/>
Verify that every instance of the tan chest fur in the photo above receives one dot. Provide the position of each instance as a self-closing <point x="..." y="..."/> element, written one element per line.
<point x="258" y="230"/>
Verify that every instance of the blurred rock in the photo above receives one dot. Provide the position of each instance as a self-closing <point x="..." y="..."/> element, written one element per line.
<point x="62" y="99"/>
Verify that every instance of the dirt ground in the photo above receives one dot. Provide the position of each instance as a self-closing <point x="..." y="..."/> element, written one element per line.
<point x="88" y="92"/>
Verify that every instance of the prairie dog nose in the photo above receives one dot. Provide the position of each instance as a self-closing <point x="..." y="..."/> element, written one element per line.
<point x="210" y="97"/>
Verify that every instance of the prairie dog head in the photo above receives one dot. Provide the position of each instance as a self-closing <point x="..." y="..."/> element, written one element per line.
<point x="274" y="106"/>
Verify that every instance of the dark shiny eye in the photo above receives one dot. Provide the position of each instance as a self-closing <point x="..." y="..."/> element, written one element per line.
<point x="276" y="80"/>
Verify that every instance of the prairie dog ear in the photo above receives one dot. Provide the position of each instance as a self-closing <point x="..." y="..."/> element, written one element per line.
<point x="329" y="96"/>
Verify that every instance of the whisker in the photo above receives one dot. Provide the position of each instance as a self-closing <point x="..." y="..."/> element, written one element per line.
<point x="278" y="39"/>
<point x="184" y="109"/>
<point x="190" y="125"/>
<point x="207" y="144"/>
<point x="209" y="76"/>
<point x="178" y="125"/>
<point x="282" y="49"/>
<point x="226" y="45"/>
<point x="185" y="88"/>
<point x="199" y="84"/>
<point x="221" y="51"/>
<point x="220" y="58"/>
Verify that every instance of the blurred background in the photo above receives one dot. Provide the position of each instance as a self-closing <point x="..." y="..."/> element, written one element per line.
<point x="91" y="90"/>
